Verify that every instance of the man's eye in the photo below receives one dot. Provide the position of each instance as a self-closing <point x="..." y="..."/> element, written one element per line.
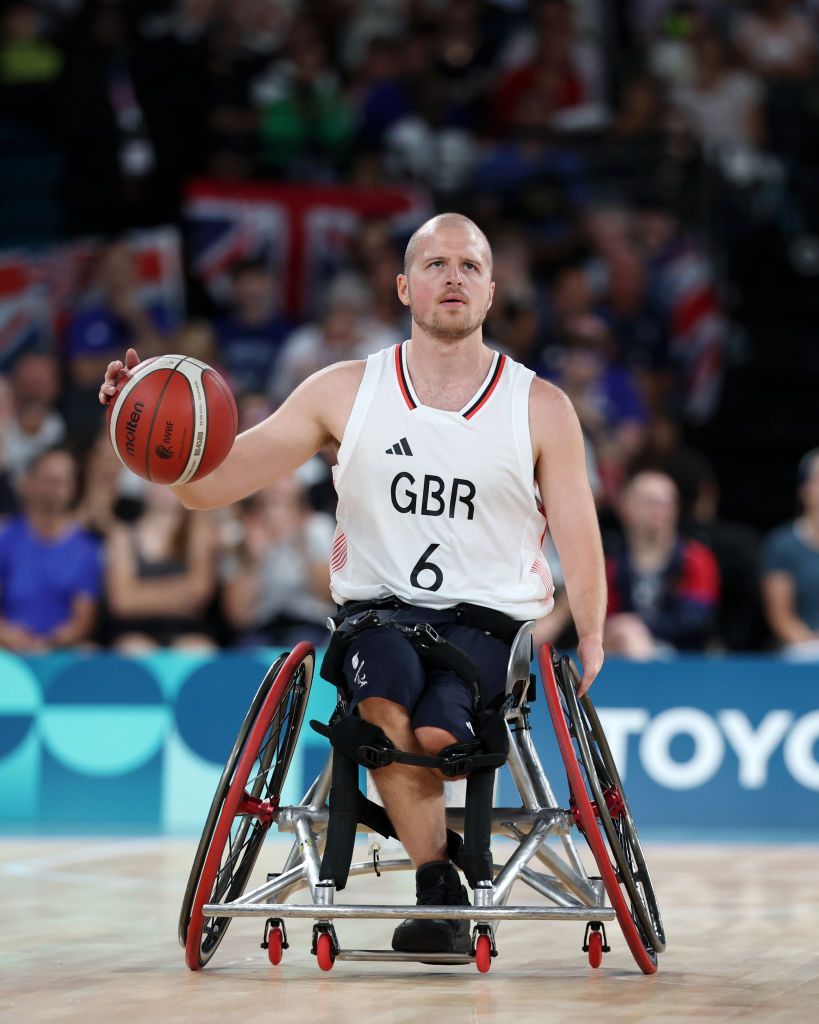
<point x="437" y="263"/>
<point x="469" y="266"/>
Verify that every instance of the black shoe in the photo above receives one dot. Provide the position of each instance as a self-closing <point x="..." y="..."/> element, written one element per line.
<point x="436" y="884"/>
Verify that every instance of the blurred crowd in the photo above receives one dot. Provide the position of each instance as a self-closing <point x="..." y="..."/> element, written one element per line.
<point x="618" y="156"/>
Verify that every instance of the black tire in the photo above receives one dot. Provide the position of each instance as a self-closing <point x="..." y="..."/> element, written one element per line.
<point x="271" y="727"/>
<point x="611" y="804"/>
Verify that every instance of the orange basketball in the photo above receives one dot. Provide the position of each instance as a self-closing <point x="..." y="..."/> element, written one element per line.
<point x="173" y="420"/>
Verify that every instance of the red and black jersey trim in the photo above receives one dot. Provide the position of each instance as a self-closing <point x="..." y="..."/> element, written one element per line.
<point x="485" y="395"/>
<point x="403" y="383"/>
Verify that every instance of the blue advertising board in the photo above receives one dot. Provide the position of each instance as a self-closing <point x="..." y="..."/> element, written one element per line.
<point x="103" y="742"/>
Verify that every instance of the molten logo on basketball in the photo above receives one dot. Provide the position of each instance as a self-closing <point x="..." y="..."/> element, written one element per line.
<point x="163" y="452"/>
<point x="131" y="426"/>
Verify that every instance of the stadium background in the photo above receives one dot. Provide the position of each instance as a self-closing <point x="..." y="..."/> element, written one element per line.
<point x="238" y="181"/>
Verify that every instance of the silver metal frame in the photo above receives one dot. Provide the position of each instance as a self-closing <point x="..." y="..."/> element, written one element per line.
<point x="574" y="895"/>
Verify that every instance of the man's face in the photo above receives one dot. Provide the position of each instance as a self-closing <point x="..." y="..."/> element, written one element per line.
<point x="49" y="487"/>
<point x="448" y="286"/>
<point x="649" y="505"/>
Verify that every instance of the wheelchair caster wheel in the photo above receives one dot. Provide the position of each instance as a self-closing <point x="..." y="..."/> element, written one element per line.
<point x="594" y="943"/>
<point x="275" y="939"/>
<point x="483" y="953"/>
<point x="274" y="946"/>
<point x="325" y="952"/>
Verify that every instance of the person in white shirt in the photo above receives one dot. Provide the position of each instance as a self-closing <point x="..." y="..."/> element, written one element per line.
<point x="450" y="460"/>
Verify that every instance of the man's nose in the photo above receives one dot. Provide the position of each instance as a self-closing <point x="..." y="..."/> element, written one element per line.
<point x="453" y="275"/>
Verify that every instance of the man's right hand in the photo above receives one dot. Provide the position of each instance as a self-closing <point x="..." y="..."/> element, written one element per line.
<point x="116" y="373"/>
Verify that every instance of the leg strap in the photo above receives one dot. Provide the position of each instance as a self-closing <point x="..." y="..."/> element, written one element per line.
<point x="369" y="745"/>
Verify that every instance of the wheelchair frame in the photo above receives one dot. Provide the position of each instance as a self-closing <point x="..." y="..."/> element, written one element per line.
<point x="598" y="809"/>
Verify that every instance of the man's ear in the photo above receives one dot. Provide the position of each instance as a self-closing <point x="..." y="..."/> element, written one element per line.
<point x="491" y="293"/>
<point x="402" y="286"/>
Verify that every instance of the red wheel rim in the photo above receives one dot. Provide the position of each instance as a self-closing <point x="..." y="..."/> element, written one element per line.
<point x="210" y="867"/>
<point x="483" y="954"/>
<point x="324" y="952"/>
<point x="588" y="819"/>
<point x="595" y="949"/>
<point x="274" y="946"/>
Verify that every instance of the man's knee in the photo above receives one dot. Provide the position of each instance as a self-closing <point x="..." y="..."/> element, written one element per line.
<point x="385" y="713"/>
<point x="433" y="740"/>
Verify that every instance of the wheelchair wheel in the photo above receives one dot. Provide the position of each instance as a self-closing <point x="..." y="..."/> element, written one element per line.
<point x="246" y="801"/>
<point x="601" y="811"/>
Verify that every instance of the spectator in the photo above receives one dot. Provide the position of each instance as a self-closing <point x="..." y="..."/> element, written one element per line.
<point x="663" y="588"/>
<point x="740" y="623"/>
<point x="723" y="106"/>
<point x="277" y="581"/>
<point x="345" y="332"/>
<point x="606" y="399"/>
<point x="34" y="424"/>
<point x="790" y="565"/>
<point x="161" y="576"/>
<point x="683" y="284"/>
<point x="251" y="334"/>
<point x="779" y="44"/>
<point x="777" y="40"/>
<point x="118" y="319"/>
<point x="637" y="323"/>
<point x="514" y="319"/>
<point x="49" y="566"/>
<point x="306" y="124"/>
<point x="97" y="507"/>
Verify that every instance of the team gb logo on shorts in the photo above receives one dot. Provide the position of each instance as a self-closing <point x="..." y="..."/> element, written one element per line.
<point x="358" y="664"/>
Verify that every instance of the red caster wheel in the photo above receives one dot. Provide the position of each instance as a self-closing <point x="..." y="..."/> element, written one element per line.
<point x="325" y="953"/>
<point x="274" y="946"/>
<point x="595" y="949"/>
<point x="483" y="954"/>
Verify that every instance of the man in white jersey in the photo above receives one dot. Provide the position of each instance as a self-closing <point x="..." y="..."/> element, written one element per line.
<point x="450" y="460"/>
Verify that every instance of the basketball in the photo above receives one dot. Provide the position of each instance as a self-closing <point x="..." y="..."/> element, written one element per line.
<point x="173" y="420"/>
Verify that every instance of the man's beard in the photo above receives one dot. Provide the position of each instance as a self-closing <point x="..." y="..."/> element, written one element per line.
<point x="436" y="327"/>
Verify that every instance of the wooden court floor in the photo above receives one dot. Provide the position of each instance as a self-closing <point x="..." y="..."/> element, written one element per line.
<point x="89" y="934"/>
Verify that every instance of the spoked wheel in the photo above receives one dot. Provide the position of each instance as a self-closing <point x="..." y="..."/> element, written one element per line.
<point x="601" y="810"/>
<point x="246" y="801"/>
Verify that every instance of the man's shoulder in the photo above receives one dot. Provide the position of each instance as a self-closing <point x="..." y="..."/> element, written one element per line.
<point x="549" y="405"/>
<point x="345" y="374"/>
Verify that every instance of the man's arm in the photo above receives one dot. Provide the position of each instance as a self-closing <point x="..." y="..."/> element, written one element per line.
<point x="560" y="471"/>
<point x="313" y="416"/>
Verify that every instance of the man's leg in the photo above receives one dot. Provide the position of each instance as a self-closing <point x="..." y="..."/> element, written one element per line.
<point x="413" y="797"/>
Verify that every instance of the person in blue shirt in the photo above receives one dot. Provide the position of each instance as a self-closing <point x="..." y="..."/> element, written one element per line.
<point x="251" y="333"/>
<point x="50" y="568"/>
<point x="790" y="568"/>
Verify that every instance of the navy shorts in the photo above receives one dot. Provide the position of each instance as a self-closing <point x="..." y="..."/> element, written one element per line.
<point x="381" y="662"/>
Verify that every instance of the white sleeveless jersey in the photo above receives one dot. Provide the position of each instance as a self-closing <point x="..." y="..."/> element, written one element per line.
<point x="440" y="507"/>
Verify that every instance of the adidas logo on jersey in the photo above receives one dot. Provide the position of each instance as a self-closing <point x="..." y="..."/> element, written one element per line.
<point x="401" y="448"/>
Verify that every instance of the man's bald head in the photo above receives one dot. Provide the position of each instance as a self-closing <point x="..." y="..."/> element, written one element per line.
<point x="443" y="221"/>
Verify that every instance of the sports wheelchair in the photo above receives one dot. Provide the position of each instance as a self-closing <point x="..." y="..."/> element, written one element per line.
<point x="247" y="804"/>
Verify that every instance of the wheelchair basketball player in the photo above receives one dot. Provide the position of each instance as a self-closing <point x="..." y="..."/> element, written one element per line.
<point x="451" y="459"/>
